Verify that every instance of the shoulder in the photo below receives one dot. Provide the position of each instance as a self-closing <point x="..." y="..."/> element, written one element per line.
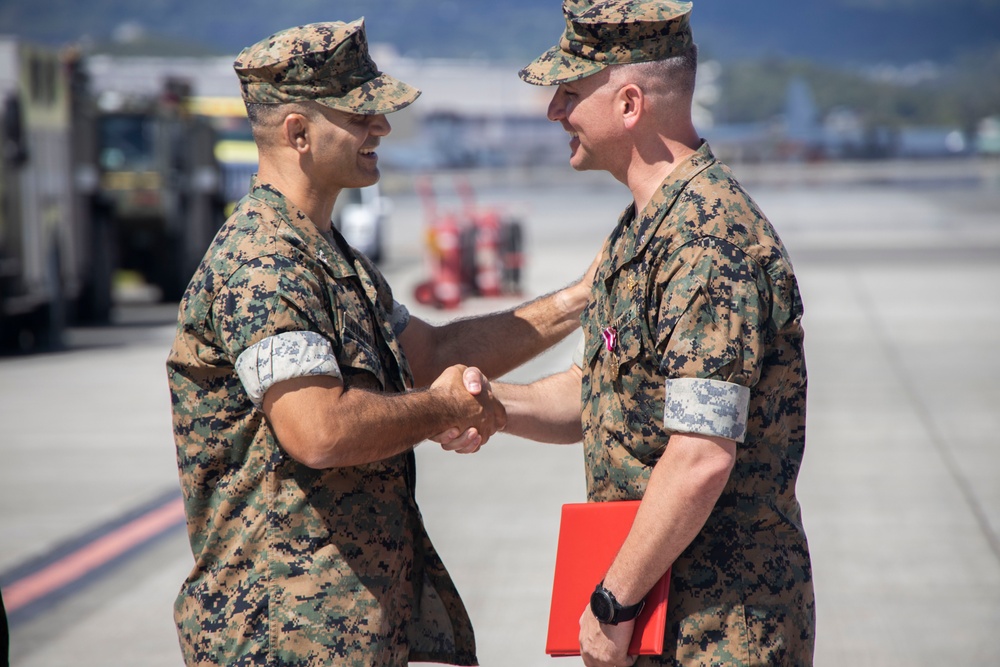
<point x="715" y="211"/>
<point x="247" y="266"/>
<point x="714" y="203"/>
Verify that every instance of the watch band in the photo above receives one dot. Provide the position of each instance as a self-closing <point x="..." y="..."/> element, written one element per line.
<point x="608" y="610"/>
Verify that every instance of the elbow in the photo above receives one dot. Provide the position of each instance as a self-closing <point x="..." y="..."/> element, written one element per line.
<point x="310" y="457"/>
<point x="707" y="461"/>
<point x="319" y="449"/>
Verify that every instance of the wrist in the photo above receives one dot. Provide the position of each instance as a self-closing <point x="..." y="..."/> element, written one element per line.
<point x="609" y="611"/>
<point x="573" y="299"/>
<point x="442" y="405"/>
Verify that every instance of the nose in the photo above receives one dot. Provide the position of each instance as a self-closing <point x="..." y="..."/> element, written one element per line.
<point x="379" y="125"/>
<point x="557" y="107"/>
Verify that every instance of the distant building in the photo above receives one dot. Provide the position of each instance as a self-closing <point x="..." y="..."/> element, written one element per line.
<point x="471" y="113"/>
<point x="479" y="113"/>
<point x="146" y="75"/>
<point x="930" y="142"/>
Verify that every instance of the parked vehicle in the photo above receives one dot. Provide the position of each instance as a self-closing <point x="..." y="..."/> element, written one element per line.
<point x="162" y="183"/>
<point x="361" y="215"/>
<point x="235" y="150"/>
<point x="54" y="255"/>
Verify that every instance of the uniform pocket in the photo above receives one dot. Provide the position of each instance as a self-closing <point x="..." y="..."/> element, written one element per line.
<point x="620" y="347"/>
<point x="629" y="347"/>
<point x="359" y="351"/>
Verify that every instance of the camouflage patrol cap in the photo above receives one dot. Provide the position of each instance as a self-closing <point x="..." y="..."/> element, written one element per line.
<point x="323" y="62"/>
<point x="612" y="32"/>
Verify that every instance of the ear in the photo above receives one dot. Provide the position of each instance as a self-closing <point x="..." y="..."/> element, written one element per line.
<point x="631" y="104"/>
<point x="296" y="131"/>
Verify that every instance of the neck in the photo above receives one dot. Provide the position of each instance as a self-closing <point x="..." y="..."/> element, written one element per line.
<point x="290" y="181"/>
<point x="646" y="172"/>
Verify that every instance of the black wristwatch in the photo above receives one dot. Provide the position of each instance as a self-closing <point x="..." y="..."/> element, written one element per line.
<point x="608" y="611"/>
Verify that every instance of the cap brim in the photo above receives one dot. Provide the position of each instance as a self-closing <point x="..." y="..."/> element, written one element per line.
<point x="383" y="94"/>
<point x="555" y="66"/>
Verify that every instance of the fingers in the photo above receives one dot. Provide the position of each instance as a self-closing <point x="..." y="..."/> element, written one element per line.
<point x="473" y="379"/>
<point x="447" y="437"/>
<point x="605" y="645"/>
<point x="477" y="413"/>
<point x="468" y="443"/>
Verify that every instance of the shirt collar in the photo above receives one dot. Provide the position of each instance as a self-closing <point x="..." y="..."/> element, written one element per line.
<point x="301" y="231"/>
<point x="634" y="232"/>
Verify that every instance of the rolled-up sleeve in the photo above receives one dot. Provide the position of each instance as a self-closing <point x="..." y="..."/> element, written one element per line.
<point x="400" y="318"/>
<point x="706" y="407"/>
<point x="285" y="356"/>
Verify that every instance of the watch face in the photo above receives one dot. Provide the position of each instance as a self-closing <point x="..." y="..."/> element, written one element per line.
<point x="600" y="605"/>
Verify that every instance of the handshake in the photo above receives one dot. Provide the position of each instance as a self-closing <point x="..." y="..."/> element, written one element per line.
<point x="476" y="414"/>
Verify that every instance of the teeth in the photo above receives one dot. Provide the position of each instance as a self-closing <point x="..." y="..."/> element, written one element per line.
<point x="367" y="151"/>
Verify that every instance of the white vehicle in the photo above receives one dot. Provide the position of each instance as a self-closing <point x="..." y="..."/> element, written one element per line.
<point x="361" y="215"/>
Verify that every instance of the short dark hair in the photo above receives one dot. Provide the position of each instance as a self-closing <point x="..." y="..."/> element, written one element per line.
<point x="258" y="113"/>
<point x="677" y="73"/>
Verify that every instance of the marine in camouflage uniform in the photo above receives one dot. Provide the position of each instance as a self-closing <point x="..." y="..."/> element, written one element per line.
<point x="695" y="328"/>
<point x="706" y="314"/>
<point x="296" y="565"/>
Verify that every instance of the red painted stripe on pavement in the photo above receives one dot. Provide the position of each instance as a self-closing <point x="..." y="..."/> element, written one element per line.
<point x="92" y="556"/>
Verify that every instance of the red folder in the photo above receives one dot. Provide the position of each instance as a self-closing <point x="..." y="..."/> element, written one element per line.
<point x="590" y="536"/>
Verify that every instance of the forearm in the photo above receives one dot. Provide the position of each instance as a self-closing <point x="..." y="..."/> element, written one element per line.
<point x="547" y="410"/>
<point x="371" y="427"/>
<point x="322" y="424"/>
<point x="498" y="342"/>
<point x="682" y="491"/>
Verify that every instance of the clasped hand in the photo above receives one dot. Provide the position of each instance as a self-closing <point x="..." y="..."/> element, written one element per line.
<point x="481" y="416"/>
<point x="605" y="645"/>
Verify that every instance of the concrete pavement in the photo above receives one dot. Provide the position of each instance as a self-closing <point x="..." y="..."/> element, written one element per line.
<point x="899" y="486"/>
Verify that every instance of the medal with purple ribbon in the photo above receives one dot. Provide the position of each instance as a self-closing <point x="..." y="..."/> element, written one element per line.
<point x="610" y="338"/>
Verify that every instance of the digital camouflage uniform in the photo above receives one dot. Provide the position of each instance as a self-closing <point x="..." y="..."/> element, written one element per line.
<point x="293" y="565"/>
<point x="695" y="327"/>
<point x="695" y="301"/>
<point x="296" y="566"/>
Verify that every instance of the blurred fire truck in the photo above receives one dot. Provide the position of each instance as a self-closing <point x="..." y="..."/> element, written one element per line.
<point x="91" y="185"/>
<point x="54" y="255"/>
<point x="161" y="181"/>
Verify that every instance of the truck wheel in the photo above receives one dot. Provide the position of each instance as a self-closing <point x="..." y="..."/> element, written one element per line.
<point x="56" y="313"/>
<point x="94" y="305"/>
<point x="171" y="273"/>
<point x="47" y="325"/>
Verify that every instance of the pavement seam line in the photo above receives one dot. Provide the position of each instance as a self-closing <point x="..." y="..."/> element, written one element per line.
<point x="76" y="565"/>
<point x="923" y="414"/>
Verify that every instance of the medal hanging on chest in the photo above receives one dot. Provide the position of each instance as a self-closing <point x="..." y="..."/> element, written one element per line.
<point x="610" y="335"/>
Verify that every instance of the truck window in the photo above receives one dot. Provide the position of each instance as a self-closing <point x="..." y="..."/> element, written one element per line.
<point x="126" y="142"/>
<point x="232" y="128"/>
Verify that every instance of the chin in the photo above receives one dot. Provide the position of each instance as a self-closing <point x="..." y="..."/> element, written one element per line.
<point x="364" y="180"/>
